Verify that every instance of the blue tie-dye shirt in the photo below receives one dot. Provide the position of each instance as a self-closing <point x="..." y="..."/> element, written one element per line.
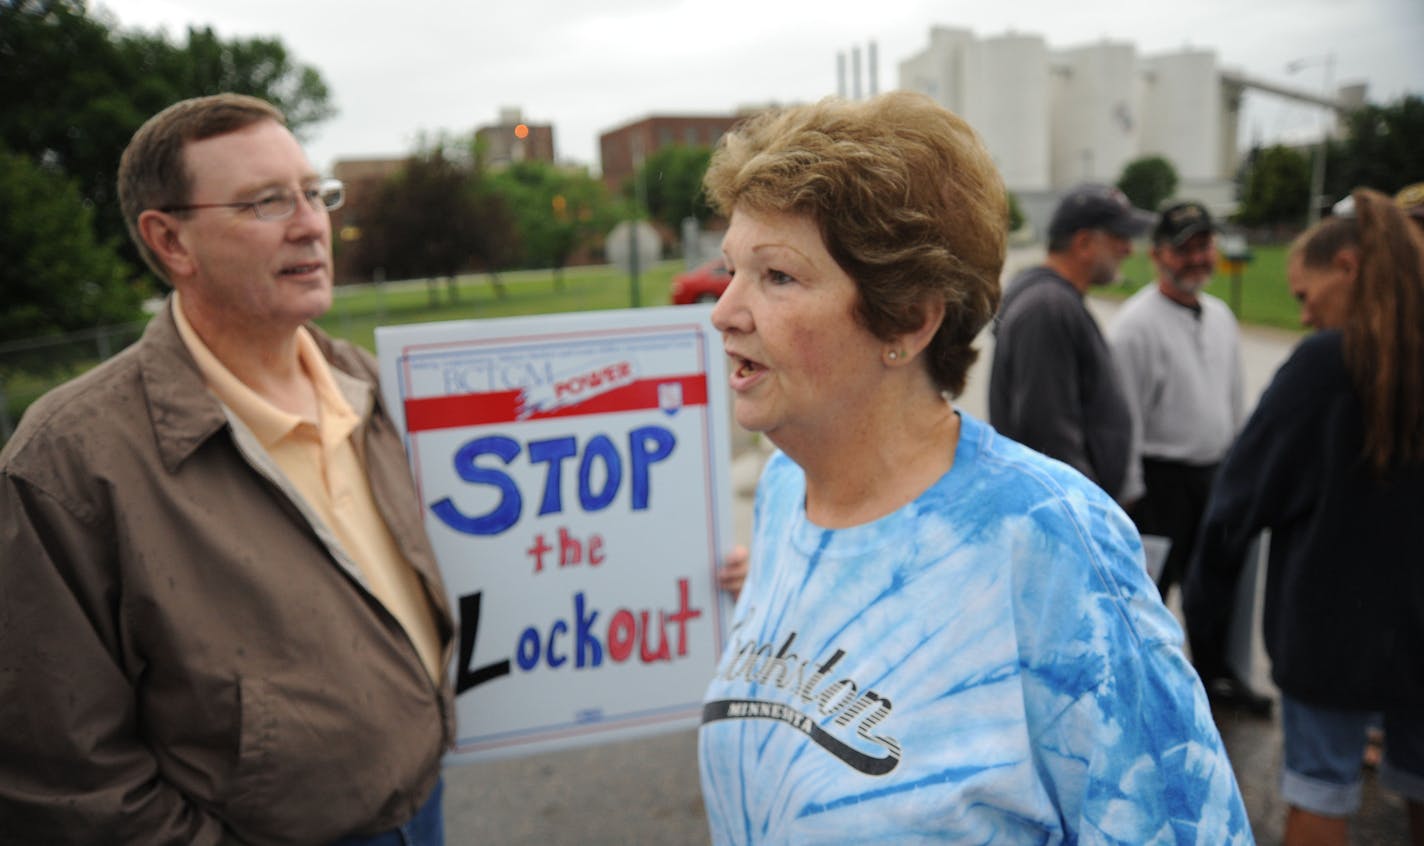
<point x="988" y="664"/>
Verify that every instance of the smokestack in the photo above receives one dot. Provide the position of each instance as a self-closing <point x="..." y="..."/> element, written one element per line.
<point x="873" y="66"/>
<point x="840" y="75"/>
<point x="855" y="72"/>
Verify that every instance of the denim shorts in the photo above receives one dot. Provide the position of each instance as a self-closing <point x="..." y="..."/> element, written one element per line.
<point x="1325" y="746"/>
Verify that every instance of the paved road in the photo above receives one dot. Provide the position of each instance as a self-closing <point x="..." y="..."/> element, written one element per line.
<point x="646" y="791"/>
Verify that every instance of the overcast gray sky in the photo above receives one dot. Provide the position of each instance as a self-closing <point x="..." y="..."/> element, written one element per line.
<point x="399" y="69"/>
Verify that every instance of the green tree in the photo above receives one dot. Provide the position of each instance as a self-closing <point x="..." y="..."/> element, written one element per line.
<point x="556" y="210"/>
<point x="435" y="219"/>
<point x="205" y="64"/>
<point x="1016" y="216"/>
<point x="1148" y="181"/>
<point x="671" y="184"/>
<point x="1277" y="187"/>
<point x="1383" y="148"/>
<point x="68" y="98"/>
<point x="74" y="88"/>
<point x="55" y="277"/>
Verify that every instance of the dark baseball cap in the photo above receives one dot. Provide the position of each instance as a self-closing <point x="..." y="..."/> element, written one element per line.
<point x="1181" y="220"/>
<point x="1094" y="206"/>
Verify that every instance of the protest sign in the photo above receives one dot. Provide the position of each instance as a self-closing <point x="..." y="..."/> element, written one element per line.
<point x="573" y="471"/>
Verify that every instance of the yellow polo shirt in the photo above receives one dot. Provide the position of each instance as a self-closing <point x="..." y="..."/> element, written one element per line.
<point x="320" y="461"/>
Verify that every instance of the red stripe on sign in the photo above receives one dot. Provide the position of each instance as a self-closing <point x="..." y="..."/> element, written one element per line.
<point x="457" y="410"/>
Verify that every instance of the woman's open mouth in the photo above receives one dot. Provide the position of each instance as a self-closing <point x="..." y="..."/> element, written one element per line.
<point x="744" y="371"/>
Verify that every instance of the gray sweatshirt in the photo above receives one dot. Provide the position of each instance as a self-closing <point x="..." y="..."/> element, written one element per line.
<point x="1053" y="385"/>
<point x="1181" y="371"/>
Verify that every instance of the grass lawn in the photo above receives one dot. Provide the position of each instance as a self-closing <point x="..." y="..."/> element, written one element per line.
<point x="1260" y="297"/>
<point x="357" y="311"/>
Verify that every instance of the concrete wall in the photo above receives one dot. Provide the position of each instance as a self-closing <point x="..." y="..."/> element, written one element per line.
<point x="1182" y="111"/>
<point x="1053" y="118"/>
<point x="1094" y="117"/>
<point x="1007" y="101"/>
<point x="939" y="70"/>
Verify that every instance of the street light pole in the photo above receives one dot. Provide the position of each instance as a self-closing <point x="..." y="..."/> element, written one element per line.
<point x="1317" y="170"/>
<point x="634" y="236"/>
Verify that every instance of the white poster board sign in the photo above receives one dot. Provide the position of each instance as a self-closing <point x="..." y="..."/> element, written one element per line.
<point x="1246" y="608"/>
<point x="574" y="475"/>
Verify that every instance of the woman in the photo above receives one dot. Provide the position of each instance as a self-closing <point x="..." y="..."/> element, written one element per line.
<point x="1332" y="462"/>
<point x="945" y="635"/>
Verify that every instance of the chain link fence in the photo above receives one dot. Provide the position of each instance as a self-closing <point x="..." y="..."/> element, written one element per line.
<point x="32" y="366"/>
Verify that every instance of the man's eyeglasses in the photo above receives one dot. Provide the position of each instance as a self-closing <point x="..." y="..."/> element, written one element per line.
<point x="326" y="195"/>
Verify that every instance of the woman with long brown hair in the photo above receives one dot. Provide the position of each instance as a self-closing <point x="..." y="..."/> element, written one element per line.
<point x="1332" y="462"/>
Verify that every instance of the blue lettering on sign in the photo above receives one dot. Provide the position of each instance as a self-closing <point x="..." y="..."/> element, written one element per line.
<point x="647" y="446"/>
<point x="599" y="447"/>
<point x="552" y="452"/>
<point x="644" y="455"/>
<point x="503" y="515"/>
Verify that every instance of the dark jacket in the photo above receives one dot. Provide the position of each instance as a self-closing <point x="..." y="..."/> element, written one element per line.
<point x="1053" y="386"/>
<point x="183" y="657"/>
<point x="1344" y="609"/>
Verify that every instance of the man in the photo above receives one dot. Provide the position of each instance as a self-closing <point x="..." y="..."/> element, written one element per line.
<point x="1053" y="385"/>
<point x="1178" y="351"/>
<point x="1179" y="354"/>
<point x="220" y="618"/>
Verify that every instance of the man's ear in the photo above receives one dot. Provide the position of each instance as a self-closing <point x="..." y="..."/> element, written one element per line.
<point x="1082" y="240"/>
<point x="163" y="236"/>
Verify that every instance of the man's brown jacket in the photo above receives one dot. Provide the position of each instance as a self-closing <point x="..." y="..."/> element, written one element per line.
<point x="186" y="656"/>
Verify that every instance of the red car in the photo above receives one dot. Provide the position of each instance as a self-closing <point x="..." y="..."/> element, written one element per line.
<point x="703" y="284"/>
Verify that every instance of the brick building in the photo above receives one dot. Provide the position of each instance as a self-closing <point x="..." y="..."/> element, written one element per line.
<point x="619" y="148"/>
<point x="512" y="140"/>
<point x="363" y="178"/>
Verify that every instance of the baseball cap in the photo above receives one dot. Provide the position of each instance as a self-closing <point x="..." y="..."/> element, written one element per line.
<point x="1095" y="206"/>
<point x="1181" y="220"/>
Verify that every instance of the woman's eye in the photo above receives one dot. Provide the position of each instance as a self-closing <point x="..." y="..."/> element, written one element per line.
<point x="777" y="277"/>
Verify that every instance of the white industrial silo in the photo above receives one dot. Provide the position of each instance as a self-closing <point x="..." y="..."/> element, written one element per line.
<point x="1007" y="102"/>
<point x="1181" y="113"/>
<point x="1095" y="125"/>
<point x="938" y="70"/>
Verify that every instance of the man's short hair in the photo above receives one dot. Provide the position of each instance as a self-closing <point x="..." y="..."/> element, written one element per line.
<point x="151" y="172"/>
<point x="1099" y="207"/>
<point x="907" y="200"/>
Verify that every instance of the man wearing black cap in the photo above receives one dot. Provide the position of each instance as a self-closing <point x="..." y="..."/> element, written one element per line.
<point x="1053" y="385"/>
<point x="1178" y="352"/>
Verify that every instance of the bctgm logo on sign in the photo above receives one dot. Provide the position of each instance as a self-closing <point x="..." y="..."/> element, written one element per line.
<point x="670" y="397"/>
<point x="574" y="387"/>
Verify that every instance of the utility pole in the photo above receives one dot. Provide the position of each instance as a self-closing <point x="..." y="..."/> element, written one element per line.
<point x="1317" y="169"/>
<point x="635" y="295"/>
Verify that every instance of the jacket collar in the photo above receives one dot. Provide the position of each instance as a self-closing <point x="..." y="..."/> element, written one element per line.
<point x="185" y="414"/>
